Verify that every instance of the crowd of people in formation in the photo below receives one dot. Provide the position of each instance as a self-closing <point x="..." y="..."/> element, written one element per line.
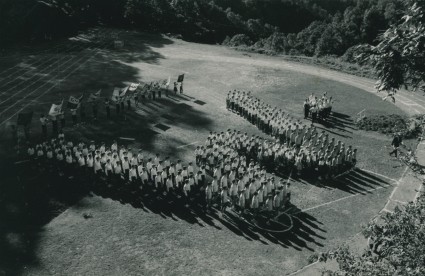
<point x="119" y="166"/>
<point x="297" y="147"/>
<point x="318" y="108"/>
<point x="238" y="178"/>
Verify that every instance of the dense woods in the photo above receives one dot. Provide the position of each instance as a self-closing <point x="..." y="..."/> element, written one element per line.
<point x="305" y="27"/>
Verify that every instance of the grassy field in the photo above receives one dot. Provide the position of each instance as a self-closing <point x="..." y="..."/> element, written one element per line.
<point x="123" y="238"/>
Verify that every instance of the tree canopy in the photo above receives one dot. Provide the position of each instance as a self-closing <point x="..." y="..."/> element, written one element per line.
<point x="399" y="58"/>
<point x="397" y="245"/>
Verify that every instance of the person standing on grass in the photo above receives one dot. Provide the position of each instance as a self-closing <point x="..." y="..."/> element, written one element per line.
<point x="159" y="93"/>
<point x="181" y="88"/>
<point x="306" y="109"/>
<point x="82" y="113"/>
<point x="395" y="143"/>
<point x="74" y="116"/>
<point x="108" y="109"/>
<point x="62" y="119"/>
<point x="55" y="124"/>
<point x="43" y="121"/>
<point x="94" y="106"/>
<point x="175" y="87"/>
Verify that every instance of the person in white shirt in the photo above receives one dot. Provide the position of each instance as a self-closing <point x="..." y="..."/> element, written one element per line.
<point x="225" y="202"/>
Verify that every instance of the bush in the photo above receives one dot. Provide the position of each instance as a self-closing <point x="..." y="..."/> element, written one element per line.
<point x="239" y="40"/>
<point x="390" y="124"/>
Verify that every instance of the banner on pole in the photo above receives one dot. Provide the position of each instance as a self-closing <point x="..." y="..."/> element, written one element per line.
<point x="94" y="96"/>
<point x="73" y="102"/>
<point x="133" y="86"/>
<point x="56" y="109"/>
<point x="180" y="78"/>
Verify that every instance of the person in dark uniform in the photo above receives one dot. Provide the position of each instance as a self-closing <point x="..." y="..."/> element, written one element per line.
<point x="43" y="121"/>
<point x="396" y="142"/>
<point x="175" y="87"/>
<point x="108" y="109"/>
<point x="82" y="113"/>
<point x="159" y="93"/>
<point x="117" y="105"/>
<point x="122" y="105"/>
<point x="94" y="106"/>
<point x="128" y="103"/>
<point x="306" y="109"/>
<point x="55" y="124"/>
<point x="153" y="94"/>
<point x="62" y="119"/>
<point x="74" y="116"/>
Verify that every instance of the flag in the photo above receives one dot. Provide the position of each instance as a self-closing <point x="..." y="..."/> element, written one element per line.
<point x="73" y="102"/>
<point x="94" y="96"/>
<point x="116" y="94"/>
<point x="168" y="82"/>
<point x="180" y="78"/>
<point x="124" y="91"/>
<point x="56" y="109"/>
<point x="24" y="119"/>
<point x="133" y="87"/>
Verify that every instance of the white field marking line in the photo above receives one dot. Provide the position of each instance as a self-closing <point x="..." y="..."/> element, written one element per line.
<point x="301" y="269"/>
<point x="4" y="84"/>
<point x="339" y="199"/>
<point x="78" y="37"/>
<point x="398" y="183"/>
<point x="37" y="77"/>
<point x="399" y="201"/>
<point x="30" y="54"/>
<point x="381" y="175"/>
<point x="42" y="94"/>
<point x="418" y="192"/>
<point x="272" y="231"/>
<point x="29" y="94"/>
<point x="57" y="82"/>
<point x="386" y="210"/>
<point x="29" y="69"/>
<point x="196" y="142"/>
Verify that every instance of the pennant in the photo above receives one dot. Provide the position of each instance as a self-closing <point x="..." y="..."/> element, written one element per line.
<point x="73" y="102"/>
<point x="124" y="91"/>
<point x="133" y="86"/>
<point x="94" y="96"/>
<point x="24" y="119"/>
<point x="56" y="109"/>
<point x="180" y="78"/>
<point x="116" y="94"/>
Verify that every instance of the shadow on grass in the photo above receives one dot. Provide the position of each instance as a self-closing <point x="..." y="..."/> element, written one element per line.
<point x="29" y="197"/>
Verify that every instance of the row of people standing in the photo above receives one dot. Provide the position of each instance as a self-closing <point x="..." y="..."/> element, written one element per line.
<point x="237" y="179"/>
<point x="296" y="146"/>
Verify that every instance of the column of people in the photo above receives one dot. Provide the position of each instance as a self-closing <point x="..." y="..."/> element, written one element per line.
<point x="238" y="179"/>
<point x="297" y="146"/>
<point x="119" y="165"/>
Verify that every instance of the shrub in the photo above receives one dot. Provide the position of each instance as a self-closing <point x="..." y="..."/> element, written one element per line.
<point x="239" y="40"/>
<point x="390" y="124"/>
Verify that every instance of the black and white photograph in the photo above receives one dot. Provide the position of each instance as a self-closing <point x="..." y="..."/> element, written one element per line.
<point x="212" y="137"/>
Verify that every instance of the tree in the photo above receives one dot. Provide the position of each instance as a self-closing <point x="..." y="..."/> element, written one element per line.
<point x="399" y="58"/>
<point x="396" y="245"/>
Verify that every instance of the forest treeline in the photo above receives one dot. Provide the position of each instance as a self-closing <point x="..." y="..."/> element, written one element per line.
<point x="297" y="27"/>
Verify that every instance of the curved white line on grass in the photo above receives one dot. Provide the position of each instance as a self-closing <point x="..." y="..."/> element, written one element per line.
<point x="42" y="94"/>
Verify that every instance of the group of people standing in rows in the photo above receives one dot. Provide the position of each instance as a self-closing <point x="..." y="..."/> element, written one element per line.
<point x="237" y="179"/>
<point x="113" y="165"/>
<point x="296" y="146"/>
<point x="318" y="108"/>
